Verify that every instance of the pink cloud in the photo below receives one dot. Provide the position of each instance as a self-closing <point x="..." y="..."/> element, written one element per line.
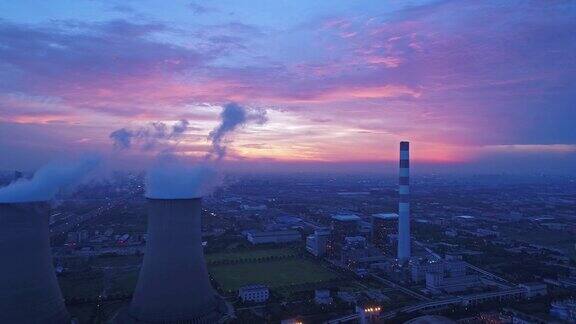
<point x="446" y="75"/>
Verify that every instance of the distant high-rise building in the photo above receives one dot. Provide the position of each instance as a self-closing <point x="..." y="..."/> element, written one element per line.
<point x="384" y="226"/>
<point x="342" y="225"/>
<point x="404" y="203"/>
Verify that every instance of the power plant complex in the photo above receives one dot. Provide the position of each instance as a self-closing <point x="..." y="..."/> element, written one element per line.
<point x="173" y="284"/>
<point x="29" y="291"/>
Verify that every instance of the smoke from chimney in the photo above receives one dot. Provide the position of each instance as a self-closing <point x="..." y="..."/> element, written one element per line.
<point x="48" y="181"/>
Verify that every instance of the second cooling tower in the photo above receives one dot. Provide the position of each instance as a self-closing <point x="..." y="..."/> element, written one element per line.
<point x="29" y="291"/>
<point x="174" y="286"/>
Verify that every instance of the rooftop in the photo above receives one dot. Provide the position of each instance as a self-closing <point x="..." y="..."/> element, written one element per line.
<point x="252" y="287"/>
<point x="346" y="217"/>
<point x="386" y="216"/>
<point x="273" y="233"/>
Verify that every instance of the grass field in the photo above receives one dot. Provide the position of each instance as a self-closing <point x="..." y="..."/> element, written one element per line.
<point x="275" y="273"/>
<point x="124" y="282"/>
<point x="80" y="288"/>
<point x="117" y="261"/>
<point x="550" y="238"/>
<point x="248" y="254"/>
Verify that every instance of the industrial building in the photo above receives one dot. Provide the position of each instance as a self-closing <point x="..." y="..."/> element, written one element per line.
<point x="322" y="297"/>
<point x="450" y="276"/>
<point x="29" y="291"/>
<point x="254" y="293"/>
<point x="385" y="231"/>
<point x="266" y="237"/>
<point x="564" y="310"/>
<point x="343" y="225"/>
<point x="317" y="243"/>
<point x="534" y="289"/>
<point x="357" y="255"/>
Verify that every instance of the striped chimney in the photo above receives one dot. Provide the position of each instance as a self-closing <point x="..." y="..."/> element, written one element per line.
<point x="404" y="203"/>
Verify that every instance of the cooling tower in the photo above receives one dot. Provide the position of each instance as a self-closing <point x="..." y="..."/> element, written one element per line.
<point x="404" y="203"/>
<point x="29" y="291"/>
<point x="173" y="285"/>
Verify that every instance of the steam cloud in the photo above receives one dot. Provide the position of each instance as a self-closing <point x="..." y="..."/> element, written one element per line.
<point x="149" y="136"/>
<point x="173" y="178"/>
<point x="232" y="117"/>
<point x="48" y="181"/>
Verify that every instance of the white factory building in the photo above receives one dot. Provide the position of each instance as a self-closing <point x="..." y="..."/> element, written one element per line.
<point x="322" y="297"/>
<point x="284" y="236"/>
<point x="254" y="293"/>
<point x="317" y="243"/>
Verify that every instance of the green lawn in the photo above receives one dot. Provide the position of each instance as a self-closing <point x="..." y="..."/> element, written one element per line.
<point x="117" y="261"/>
<point x="275" y="273"/>
<point x="124" y="282"/>
<point x="541" y="236"/>
<point x="80" y="287"/>
<point x="248" y="254"/>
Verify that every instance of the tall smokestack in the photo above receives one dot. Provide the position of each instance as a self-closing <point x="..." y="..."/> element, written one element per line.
<point x="404" y="203"/>
<point x="174" y="285"/>
<point x="29" y="291"/>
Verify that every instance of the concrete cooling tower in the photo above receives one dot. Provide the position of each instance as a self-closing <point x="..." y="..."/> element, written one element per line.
<point x="174" y="286"/>
<point x="29" y="291"/>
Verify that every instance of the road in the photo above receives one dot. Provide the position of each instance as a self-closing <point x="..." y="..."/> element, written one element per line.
<point x="403" y="289"/>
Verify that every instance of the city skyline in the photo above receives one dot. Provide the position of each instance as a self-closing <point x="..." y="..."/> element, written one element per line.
<point x="475" y="87"/>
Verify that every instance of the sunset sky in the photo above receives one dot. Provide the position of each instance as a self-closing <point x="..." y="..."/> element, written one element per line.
<point x="473" y="85"/>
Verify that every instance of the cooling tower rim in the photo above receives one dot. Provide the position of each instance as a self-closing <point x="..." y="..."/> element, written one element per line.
<point x="25" y="203"/>
<point x="172" y="199"/>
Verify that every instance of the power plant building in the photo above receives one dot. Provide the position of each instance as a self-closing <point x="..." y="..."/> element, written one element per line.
<point x="268" y="237"/>
<point x="452" y="279"/>
<point x="317" y="243"/>
<point x="343" y="225"/>
<point x="254" y="293"/>
<point x="29" y="290"/>
<point x="385" y="231"/>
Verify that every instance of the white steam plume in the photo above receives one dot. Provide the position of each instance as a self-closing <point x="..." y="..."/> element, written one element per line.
<point x="232" y="117"/>
<point x="48" y="181"/>
<point x="148" y="136"/>
<point x="174" y="178"/>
